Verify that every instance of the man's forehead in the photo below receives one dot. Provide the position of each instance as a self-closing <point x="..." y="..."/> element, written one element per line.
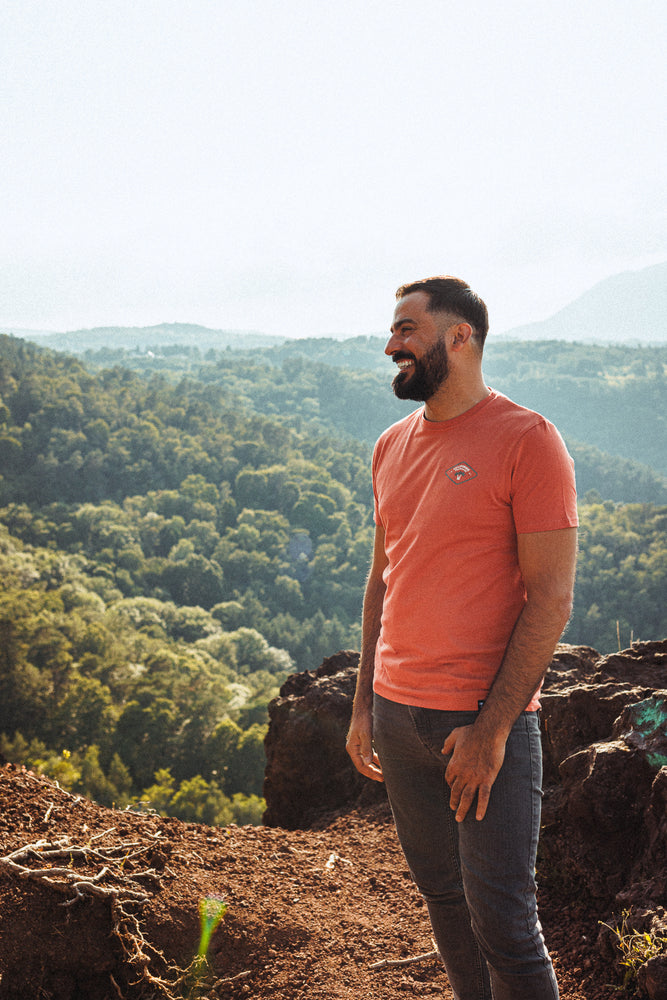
<point x="411" y="306"/>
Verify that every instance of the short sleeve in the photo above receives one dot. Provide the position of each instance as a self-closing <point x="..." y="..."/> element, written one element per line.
<point x="543" y="488"/>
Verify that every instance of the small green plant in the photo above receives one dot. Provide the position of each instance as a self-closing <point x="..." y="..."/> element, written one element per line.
<point x="211" y="911"/>
<point x="636" y="947"/>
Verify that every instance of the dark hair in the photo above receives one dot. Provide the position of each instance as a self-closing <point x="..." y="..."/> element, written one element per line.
<point x="452" y="295"/>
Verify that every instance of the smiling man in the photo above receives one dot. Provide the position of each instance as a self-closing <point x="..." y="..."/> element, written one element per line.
<point x="469" y="591"/>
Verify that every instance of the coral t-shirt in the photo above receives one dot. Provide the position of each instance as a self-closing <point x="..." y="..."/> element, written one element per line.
<point x="451" y="497"/>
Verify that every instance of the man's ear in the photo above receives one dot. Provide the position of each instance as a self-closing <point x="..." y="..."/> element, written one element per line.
<point x="461" y="334"/>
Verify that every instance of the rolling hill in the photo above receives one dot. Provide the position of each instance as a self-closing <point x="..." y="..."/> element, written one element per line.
<point x="627" y="308"/>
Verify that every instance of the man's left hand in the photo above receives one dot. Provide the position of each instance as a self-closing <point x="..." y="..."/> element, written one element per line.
<point x="472" y="770"/>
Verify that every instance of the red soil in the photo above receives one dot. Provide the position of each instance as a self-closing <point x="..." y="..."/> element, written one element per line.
<point x="309" y="912"/>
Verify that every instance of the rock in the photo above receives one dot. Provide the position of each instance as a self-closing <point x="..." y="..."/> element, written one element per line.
<point x="604" y="788"/>
<point x="652" y="978"/>
<point x="643" y="663"/>
<point x="605" y="748"/>
<point x="656" y="825"/>
<point x="585" y="693"/>
<point x="605" y="734"/>
<point x="648" y="885"/>
<point x="308" y="772"/>
<point x="644" y="725"/>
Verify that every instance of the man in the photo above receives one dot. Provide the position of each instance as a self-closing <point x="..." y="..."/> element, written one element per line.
<point x="469" y="590"/>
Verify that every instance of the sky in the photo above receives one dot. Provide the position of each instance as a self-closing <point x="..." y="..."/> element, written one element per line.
<point x="283" y="166"/>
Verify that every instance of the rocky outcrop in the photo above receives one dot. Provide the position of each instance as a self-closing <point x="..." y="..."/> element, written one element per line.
<point x="308" y="772"/>
<point x="605" y="816"/>
<point x="604" y="733"/>
<point x="584" y="693"/>
<point x="605" y="742"/>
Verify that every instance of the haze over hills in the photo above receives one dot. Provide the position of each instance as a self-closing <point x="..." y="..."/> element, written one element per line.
<point x="627" y="308"/>
<point x="630" y="307"/>
<point x="146" y="337"/>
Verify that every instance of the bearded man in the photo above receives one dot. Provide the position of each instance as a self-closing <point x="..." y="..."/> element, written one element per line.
<point x="469" y="591"/>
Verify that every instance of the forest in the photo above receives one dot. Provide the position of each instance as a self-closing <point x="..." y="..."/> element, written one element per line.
<point x="180" y="531"/>
<point x="602" y="398"/>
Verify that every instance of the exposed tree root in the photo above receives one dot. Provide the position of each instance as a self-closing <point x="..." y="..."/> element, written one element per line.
<point x="392" y="963"/>
<point x="124" y="892"/>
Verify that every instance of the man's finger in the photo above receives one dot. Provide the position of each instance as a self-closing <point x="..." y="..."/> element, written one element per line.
<point x="360" y="750"/>
<point x="464" y="803"/>
<point x="369" y="770"/>
<point x="360" y="747"/>
<point x="375" y="769"/>
<point x="483" y="796"/>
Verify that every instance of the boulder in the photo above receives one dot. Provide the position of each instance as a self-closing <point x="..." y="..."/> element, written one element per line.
<point x="605" y="741"/>
<point x="604" y="732"/>
<point x="584" y="693"/>
<point x="604" y="789"/>
<point x="308" y="772"/>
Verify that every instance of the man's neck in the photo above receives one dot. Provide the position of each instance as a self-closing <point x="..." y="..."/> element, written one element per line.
<point x="452" y="400"/>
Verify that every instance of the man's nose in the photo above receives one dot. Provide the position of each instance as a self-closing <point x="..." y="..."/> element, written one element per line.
<point x="391" y="345"/>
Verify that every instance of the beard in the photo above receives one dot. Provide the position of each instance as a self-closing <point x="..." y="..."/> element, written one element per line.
<point x="427" y="375"/>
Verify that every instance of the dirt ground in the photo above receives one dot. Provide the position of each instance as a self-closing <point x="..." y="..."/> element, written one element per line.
<point x="309" y="912"/>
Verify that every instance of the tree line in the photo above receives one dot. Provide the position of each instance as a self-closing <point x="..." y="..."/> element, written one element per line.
<point x="602" y="399"/>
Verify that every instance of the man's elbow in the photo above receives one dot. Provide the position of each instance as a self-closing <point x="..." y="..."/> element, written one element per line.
<point x="562" y="607"/>
<point x="554" y="608"/>
<point x="566" y="609"/>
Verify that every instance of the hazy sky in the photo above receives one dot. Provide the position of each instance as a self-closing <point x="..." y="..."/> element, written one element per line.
<point x="282" y="166"/>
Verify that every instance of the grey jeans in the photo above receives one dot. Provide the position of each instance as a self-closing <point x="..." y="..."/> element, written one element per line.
<point x="477" y="877"/>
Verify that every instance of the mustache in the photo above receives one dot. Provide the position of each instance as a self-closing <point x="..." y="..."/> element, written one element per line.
<point x="402" y="356"/>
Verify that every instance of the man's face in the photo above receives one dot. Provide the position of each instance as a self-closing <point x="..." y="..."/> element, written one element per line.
<point x="417" y="345"/>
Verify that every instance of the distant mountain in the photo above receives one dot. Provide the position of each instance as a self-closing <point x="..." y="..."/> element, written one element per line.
<point x="627" y="308"/>
<point x="145" y="338"/>
<point x="14" y="331"/>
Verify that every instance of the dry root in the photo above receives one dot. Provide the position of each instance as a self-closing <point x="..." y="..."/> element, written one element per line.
<point x="392" y="963"/>
<point x="107" y="879"/>
<point x="69" y="882"/>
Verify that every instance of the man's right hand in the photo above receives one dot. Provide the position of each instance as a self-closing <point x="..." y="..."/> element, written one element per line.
<point x="360" y="747"/>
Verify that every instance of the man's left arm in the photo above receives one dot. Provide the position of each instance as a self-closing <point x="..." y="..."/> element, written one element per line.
<point x="547" y="562"/>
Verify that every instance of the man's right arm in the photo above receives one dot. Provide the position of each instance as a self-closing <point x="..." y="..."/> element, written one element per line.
<point x="360" y="735"/>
